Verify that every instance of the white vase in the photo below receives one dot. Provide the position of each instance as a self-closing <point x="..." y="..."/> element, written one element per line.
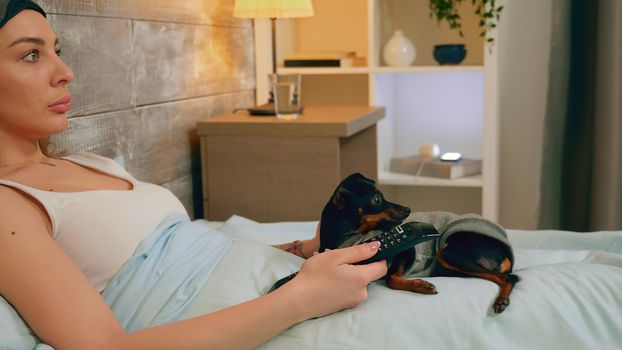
<point x="399" y="51"/>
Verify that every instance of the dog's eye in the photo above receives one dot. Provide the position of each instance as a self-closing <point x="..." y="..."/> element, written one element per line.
<point x="376" y="200"/>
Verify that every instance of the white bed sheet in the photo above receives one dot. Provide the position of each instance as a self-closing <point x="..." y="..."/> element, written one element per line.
<point x="569" y="297"/>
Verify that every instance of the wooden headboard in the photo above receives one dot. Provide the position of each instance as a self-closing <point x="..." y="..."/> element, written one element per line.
<point x="146" y="72"/>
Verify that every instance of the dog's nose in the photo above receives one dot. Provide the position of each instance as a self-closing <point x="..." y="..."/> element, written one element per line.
<point x="405" y="210"/>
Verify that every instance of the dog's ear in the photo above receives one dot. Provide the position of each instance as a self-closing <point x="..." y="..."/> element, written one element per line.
<point x="340" y="197"/>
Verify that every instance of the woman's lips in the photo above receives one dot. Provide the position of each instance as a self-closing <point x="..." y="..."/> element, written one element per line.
<point x="62" y="105"/>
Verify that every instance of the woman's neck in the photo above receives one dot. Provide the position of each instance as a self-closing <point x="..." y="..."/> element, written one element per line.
<point x="14" y="152"/>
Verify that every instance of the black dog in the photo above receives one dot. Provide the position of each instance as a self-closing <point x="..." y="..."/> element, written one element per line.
<point x="357" y="207"/>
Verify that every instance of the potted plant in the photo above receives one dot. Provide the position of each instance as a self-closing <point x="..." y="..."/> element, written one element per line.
<point x="487" y="10"/>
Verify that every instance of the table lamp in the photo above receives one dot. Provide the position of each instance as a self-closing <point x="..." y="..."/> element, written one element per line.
<point x="271" y="9"/>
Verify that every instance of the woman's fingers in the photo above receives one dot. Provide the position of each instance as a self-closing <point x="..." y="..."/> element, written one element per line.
<point x="373" y="271"/>
<point x="356" y="253"/>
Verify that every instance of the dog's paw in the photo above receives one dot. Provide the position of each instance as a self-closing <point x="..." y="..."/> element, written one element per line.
<point x="412" y="285"/>
<point x="501" y="304"/>
<point x="431" y="289"/>
<point x="425" y="287"/>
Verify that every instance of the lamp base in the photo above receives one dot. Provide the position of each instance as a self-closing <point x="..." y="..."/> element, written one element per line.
<point x="267" y="109"/>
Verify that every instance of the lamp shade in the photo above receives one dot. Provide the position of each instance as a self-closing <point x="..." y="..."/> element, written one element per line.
<point x="272" y="8"/>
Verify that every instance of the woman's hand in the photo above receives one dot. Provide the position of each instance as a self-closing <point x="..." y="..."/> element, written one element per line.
<point x="328" y="282"/>
<point x="310" y="246"/>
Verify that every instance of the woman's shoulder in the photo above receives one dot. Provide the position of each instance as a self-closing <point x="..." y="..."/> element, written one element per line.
<point x="23" y="207"/>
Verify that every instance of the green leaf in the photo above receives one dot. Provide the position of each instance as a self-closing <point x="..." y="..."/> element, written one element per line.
<point x="448" y="11"/>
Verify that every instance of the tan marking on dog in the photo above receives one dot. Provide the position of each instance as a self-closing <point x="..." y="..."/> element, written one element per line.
<point x="506" y="265"/>
<point x="370" y="222"/>
<point x="501" y="279"/>
<point x="397" y="282"/>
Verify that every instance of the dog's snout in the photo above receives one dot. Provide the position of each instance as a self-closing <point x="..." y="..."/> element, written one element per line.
<point x="398" y="212"/>
<point x="405" y="210"/>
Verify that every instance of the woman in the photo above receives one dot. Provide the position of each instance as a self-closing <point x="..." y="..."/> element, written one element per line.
<point x="59" y="214"/>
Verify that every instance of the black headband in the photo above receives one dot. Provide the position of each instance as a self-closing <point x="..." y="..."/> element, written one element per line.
<point x="10" y="8"/>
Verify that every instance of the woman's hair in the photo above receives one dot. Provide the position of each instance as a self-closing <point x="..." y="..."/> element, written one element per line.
<point x="10" y="8"/>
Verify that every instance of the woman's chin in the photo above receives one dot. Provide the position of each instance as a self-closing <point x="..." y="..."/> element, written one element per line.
<point x="57" y="124"/>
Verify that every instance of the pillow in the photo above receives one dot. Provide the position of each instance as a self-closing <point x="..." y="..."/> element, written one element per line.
<point x="269" y="233"/>
<point x="14" y="333"/>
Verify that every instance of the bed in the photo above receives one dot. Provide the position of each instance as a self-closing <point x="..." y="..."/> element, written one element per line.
<point x="568" y="297"/>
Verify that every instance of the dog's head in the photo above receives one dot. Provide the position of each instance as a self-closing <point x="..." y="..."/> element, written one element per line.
<point x="357" y="206"/>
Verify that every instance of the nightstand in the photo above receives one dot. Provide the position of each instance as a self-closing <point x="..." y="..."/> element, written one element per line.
<point x="270" y="170"/>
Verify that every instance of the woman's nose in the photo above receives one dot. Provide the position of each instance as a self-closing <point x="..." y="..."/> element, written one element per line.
<point x="63" y="74"/>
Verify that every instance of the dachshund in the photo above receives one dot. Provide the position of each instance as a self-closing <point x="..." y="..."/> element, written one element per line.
<point x="357" y="207"/>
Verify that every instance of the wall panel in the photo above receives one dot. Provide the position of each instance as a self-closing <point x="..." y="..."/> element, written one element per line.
<point x="207" y="12"/>
<point x="176" y="61"/>
<point x="146" y="72"/>
<point x="98" y="51"/>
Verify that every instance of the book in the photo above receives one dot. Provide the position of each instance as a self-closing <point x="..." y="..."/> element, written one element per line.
<point x="437" y="168"/>
<point x="339" y="62"/>
<point x="319" y="55"/>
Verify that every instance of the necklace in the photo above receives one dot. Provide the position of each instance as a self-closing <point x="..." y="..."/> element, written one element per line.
<point x="44" y="160"/>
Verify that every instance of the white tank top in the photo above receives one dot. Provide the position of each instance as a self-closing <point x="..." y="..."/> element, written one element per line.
<point x="100" y="229"/>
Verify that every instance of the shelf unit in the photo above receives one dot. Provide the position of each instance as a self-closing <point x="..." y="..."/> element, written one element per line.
<point x="455" y="106"/>
<point x="386" y="69"/>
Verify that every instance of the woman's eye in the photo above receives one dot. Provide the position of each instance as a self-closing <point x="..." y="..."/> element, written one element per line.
<point x="32" y="56"/>
<point x="58" y="52"/>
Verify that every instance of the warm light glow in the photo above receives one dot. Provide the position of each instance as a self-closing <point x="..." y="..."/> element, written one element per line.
<point x="272" y="8"/>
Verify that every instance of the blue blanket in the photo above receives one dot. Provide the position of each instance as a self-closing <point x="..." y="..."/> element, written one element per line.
<point x="156" y="285"/>
<point x="166" y="273"/>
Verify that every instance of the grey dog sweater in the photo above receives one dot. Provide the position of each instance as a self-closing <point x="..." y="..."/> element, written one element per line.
<point x="447" y="224"/>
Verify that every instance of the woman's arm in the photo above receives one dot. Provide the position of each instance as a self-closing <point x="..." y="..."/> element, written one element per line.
<point x="44" y="285"/>
<point x="65" y="311"/>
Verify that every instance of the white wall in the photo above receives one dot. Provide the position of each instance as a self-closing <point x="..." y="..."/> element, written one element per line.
<point x="524" y="41"/>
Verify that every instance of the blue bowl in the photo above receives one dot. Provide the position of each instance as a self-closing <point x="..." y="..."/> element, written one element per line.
<point x="449" y="53"/>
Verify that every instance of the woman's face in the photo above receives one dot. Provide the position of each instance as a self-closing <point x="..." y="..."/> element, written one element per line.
<point x="33" y="79"/>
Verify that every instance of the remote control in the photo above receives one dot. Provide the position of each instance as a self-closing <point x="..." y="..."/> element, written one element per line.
<point x="392" y="242"/>
<point x="400" y="238"/>
<point x="282" y="281"/>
